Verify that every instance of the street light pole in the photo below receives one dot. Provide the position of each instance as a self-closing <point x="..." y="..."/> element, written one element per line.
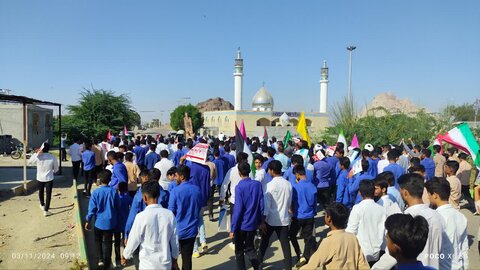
<point x="350" y="49"/>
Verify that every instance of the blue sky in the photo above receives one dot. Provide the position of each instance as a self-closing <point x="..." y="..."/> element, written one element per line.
<point x="161" y="51"/>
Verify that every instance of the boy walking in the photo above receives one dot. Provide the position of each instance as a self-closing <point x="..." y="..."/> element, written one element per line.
<point x="304" y="209"/>
<point x="278" y="200"/>
<point x="103" y="205"/>
<point x="154" y="231"/>
<point x="247" y="216"/>
<point x="184" y="202"/>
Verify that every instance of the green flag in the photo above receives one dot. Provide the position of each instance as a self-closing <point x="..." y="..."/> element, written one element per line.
<point x="287" y="138"/>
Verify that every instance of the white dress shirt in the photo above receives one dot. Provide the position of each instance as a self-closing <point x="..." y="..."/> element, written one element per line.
<point x="260" y="177"/>
<point x="161" y="147"/>
<point x="164" y="165"/>
<point x="233" y="178"/>
<point x="382" y="164"/>
<point x="278" y="199"/>
<point x="155" y="232"/>
<point x="456" y="237"/>
<point x="433" y="248"/>
<point x="75" y="152"/>
<point x="367" y="222"/>
<point x="389" y="206"/>
<point x="47" y="165"/>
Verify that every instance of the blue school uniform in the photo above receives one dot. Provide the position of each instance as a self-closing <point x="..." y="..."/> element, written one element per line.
<point x="103" y="205"/>
<point x="185" y="204"/>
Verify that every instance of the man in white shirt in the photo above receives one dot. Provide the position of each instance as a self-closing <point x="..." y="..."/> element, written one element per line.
<point x="231" y="180"/>
<point x="278" y="200"/>
<point x="455" y="224"/>
<point x="164" y="165"/>
<point x="383" y="199"/>
<point x="154" y="231"/>
<point x="411" y="189"/>
<point x="367" y="222"/>
<point x="75" y="152"/>
<point x="47" y="165"/>
<point x="161" y="146"/>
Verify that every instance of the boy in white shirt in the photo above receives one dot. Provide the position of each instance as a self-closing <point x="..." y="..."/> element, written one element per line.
<point x="455" y="223"/>
<point x="366" y="221"/>
<point x="155" y="232"/>
<point x="383" y="199"/>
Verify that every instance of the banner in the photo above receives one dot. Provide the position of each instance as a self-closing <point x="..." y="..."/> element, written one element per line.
<point x="198" y="153"/>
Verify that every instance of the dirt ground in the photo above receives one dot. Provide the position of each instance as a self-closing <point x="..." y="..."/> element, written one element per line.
<point x="28" y="240"/>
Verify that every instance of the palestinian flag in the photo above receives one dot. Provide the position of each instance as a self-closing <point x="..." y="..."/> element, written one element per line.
<point x="241" y="144"/>
<point x="462" y="138"/>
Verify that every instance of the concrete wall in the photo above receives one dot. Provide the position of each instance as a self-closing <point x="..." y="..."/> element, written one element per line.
<point x="39" y="123"/>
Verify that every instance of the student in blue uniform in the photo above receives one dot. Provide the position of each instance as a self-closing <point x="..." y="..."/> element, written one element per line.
<point x="342" y="182"/>
<point x="140" y="153"/>
<point x="178" y="154"/>
<point x="304" y="210"/>
<point x="289" y="175"/>
<point x="119" y="171"/>
<point x="428" y="163"/>
<point x="152" y="158"/>
<point x="321" y="178"/>
<point x="247" y="217"/>
<point x="217" y="182"/>
<point x="356" y="179"/>
<point x="103" y="206"/>
<point x="88" y="159"/>
<point x="393" y="167"/>
<point x="125" y="203"/>
<point x="184" y="202"/>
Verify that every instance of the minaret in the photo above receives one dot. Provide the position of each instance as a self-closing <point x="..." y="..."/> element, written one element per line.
<point x="323" y="87"/>
<point x="238" y="77"/>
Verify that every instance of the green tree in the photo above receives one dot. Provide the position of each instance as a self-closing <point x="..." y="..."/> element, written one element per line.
<point x="176" y="117"/>
<point x="387" y="128"/>
<point x="98" y="112"/>
<point x="464" y="112"/>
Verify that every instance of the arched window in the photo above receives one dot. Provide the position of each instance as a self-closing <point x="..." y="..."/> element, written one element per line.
<point x="263" y="122"/>
<point x="309" y="122"/>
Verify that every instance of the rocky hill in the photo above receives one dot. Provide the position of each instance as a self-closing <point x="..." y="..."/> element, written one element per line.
<point x="391" y="103"/>
<point x="214" y="104"/>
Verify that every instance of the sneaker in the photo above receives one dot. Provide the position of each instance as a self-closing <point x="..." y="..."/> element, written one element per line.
<point x="41" y="207"/>
<point x="204" y="247"/>
<point x="196" y="255"/>
<point x="301" y="262"/>
<point x="47" y="213"/>
<point x="100" y="264"/>
<point x="232" y="246"/>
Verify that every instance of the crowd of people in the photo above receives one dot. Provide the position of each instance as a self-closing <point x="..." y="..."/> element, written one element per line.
<point x="386" y="206"/>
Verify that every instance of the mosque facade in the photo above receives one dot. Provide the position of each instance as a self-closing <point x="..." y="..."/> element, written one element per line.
<point x="262" y="114"/>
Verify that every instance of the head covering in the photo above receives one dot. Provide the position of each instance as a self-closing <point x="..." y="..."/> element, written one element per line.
<point x="369" y="147"/>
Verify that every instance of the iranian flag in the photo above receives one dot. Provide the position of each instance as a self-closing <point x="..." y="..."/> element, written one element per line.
<point x="462" y="138"/>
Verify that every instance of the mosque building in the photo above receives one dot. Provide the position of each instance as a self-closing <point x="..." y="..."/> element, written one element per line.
<point x="262" y="114"/>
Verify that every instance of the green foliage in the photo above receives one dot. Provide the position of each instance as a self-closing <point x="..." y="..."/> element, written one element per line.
<point x="176" y="117"/>
<point x="464" y="112"/>
<point x="388" y="128"/>
<point x="98" y="112"/>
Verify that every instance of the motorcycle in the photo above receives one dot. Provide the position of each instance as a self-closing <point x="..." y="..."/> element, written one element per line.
<point x="18" y="152"/>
